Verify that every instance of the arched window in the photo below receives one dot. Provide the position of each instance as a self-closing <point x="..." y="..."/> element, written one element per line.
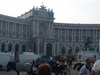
<point x="70" y="51"/>
<point x="9" y="47"/>
<point x="63" y="50"/>
<point x="49" y="49"/>
<point x="3" y="47"/>
<point x="16" y="47"/>
<point x="77" y="49"/>
<point x="23" y="48"/>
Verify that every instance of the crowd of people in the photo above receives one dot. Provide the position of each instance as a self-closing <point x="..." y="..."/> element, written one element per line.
<point x="91" y="67"/>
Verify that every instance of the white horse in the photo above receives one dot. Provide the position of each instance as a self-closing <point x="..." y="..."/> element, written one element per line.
<point x="19" y="67"/>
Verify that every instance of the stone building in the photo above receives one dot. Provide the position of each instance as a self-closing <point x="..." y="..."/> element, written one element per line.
<point x="36" y="31"/>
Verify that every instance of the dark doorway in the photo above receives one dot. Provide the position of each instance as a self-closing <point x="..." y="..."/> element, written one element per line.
<point x="9" y="47"/>
<point x="3" y="47"/>
<point x="49" y="49"/>
<point x="23" y="48"/>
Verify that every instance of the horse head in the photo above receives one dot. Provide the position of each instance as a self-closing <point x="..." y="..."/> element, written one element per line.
<point x="11" y="66"/>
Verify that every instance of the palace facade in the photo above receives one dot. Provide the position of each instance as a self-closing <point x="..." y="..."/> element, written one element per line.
<point x="36" y="31"/>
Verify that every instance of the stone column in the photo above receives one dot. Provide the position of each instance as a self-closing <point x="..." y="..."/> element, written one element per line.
<point x="53" y="49"/>
<point x="61" y="34"/>
<point x="72" y="35"/>
<point x="96" y="35"/>
<point x="13" y="47"/>
<point x="86" y="34"/>
<point x="37" y="28"/>
<point x="65" y="34"/>
<point x="38" y="46"/>
<point x="0" y="47"/>
<point x="5" y="28"/>
<point x="93" y="35"/>
<point x="6" y="47"/>
<point x="52" y="32"/>
<point x="26" y="30"/>
<point x="20" y="48"/>
<point x="49" y="29"/>
<point x="79" y="35"/>
<point x="8" y="30"/>
<point x="1" y="28"/>
<point x="89" y="32"/>
<point x="15" y="29"/>
<point x="58" y="34"/>
<point x="22" y="30"/>
<point x="33" y="28"/>
<point x="44" y="48"/>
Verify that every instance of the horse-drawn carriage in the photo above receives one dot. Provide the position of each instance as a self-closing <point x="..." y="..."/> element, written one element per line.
<point x="31" y="69"/>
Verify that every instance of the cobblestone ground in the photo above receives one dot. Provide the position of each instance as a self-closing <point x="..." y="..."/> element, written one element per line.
<point x="73" y="72"/>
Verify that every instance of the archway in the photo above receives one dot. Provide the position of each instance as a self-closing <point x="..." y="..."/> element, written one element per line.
<point x="16" y="52"/>
<point x="49" y="49"/>
<point x="3" y="47"/>
<point x="70" y="50"/>
<point x="63" y="50"/>
<point x="77" y="49"/>
<point x="23" y="48"/>
<point x="16" y="47"/>
<point x="9" y="47"/>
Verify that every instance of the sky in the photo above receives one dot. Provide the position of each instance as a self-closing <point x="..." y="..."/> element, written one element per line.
<point x="65" y="11"/>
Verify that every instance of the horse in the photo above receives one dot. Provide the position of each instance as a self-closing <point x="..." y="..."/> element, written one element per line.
<point x="19" y="67"/>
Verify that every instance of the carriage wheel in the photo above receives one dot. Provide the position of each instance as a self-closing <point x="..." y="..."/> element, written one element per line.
<point x="66" y="71"/>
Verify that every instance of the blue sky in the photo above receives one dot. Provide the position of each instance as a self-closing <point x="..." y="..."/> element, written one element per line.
<point x="66" y="11"/>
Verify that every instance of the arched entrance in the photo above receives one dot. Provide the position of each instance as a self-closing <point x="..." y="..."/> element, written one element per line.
<point x="16" y="48"/>
<point x="70" y="51"/>
<point x="9" y="47"/>
<point x="3" y="47"/>
<point x="63" y="50"/>
<point x="49" y="49"/>
<point x="16" y="52"/>
<point x="77" y="49"/>
<point x="23" y="48"/>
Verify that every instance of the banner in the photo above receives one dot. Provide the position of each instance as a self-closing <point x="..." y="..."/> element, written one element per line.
<point x="56" y="48"/>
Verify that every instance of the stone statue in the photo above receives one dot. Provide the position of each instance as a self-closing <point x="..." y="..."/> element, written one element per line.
<point x="87" y="44"/>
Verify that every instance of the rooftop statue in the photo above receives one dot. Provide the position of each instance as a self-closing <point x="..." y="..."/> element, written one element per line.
<point x="87" y="44"/>
<point x="42" y="6"/>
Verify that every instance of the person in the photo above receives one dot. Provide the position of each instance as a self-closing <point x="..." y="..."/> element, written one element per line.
<point x="44" y="69"/>
<point x="93" y="59"/>
<point x="96" y="68"/>
<point x="62" y="65"/>
<point x="86" y="68"/>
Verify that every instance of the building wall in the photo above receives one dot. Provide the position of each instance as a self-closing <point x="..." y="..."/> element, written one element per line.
<point x="75" y="35"/>
<point x="13" y="31"/>
<point x="36" y="29"/>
